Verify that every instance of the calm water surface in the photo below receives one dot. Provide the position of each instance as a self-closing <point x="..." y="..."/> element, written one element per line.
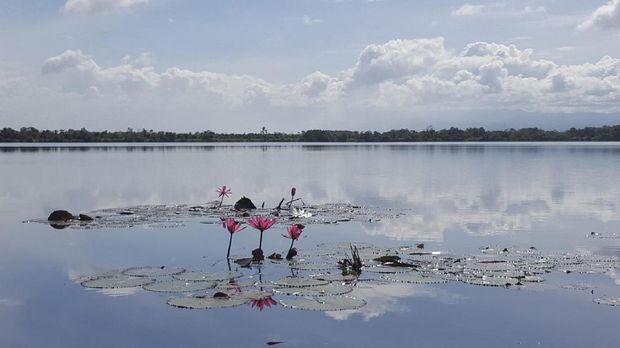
<point x="461" y="196"/>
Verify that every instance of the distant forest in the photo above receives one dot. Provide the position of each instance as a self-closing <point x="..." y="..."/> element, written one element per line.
<point x="33" y="135"/>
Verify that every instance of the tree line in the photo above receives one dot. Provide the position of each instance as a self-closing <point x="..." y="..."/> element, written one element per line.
<point x="33" y="135"/>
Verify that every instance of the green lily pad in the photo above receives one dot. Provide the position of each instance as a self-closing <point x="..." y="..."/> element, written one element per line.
<point x="298" y="282"/>
<point x="309" y="266"/>
<point x="388" y="269"/>
<point x="320" y="290"/>
<point x="489" y="281"/>
<point x="325" y="303"/>
<point x="116" y="282"/>
<point x="607" y="301"/>
<point x="152" y="271"/>
<point x="414" y="277"/>
<point x="234" y="285"/>
<point x="179" y="286"/>
<point x="253" y="295"/>
<point x="335" y="277"/>
<point x="206" y="302"/>
<point x="207" y="276"/>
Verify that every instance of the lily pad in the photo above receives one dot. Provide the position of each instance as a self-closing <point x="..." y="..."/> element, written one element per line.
<point x="388" y="269"/>
<point x="607" y="301"/>
<point x="533" y="279"/>
<point x="320" y="290"/>
<point x="234" y="285"/>
<point x="116" y="282"/>
<point x="153" y="271"/>
<point x="310" y="266"/>
<point x="414" y="277"/>
<point x="206" y="302"/>
<point x="335" y="277"/>
<point x="490" y="281"/>
<point x="178" y="286"/>
<point x="298" y="282"/>
<point x="207" y="276"/>
<point x="579" y="287"/>
<point x="346" y="245"/>
<point x="324" y="303"/>
<point x="254" y="295"/>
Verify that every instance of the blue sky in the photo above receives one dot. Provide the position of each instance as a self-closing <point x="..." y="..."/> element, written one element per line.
<point x="293" y="65"/>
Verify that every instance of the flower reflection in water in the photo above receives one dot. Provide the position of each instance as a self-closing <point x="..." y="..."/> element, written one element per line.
<point x="262" y="303"/>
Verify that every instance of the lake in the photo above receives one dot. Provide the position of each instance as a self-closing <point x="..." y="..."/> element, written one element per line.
<point x="456" y="198"/>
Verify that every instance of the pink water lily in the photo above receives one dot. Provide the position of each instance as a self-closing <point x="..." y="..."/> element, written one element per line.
<point x="223" y="192"/>
<point x="264" y="302"/>
<point x="262" y="224"/>
<point x="232" y="226"/>
<point x="294" y="233"/>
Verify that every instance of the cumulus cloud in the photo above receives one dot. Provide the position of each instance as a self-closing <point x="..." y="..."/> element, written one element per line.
<point x="605" y="17"/>
<point x="100" y="6"/>
<point x="396" y="75"/>
<point x="468" y="10"/>
<point x="496" y="9"/>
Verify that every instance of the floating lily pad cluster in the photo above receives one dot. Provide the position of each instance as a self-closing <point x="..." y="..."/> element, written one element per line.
<point x="171" y="216"/>
<point x="317" y="283"/>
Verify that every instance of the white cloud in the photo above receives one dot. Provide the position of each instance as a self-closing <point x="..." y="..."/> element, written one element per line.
<point x="310" y="21"/>
<point x="604" y="17"/>
<point x="468" y="10"/>
<point x="399" y="76"/>
<point x="100" y="6"/>
<point x="496" y="9"/>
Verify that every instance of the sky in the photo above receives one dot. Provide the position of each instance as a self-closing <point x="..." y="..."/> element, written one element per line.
<point x="293" y="65"/>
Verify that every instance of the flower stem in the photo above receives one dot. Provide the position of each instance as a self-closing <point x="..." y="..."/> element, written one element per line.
<point x="221" y="201"/>
<point x="291" y="247"/>
<point x="260" y="243"/>
<point x="229" y="243"/>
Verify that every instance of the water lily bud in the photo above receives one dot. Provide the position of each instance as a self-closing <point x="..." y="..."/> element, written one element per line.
<point x="293" y="190"/>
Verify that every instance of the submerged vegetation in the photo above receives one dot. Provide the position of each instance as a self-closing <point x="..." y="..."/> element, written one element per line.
<point x="33" y="135"/>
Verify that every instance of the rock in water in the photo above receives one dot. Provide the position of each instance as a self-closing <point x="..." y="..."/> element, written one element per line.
<point x="257" y="255"/>
<point x="244" y="204"/>
<point x="60" y="215"/>
<point x="84" y="217"/>
<point x="291" y="253"/>
<point x="275" y="256"/>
